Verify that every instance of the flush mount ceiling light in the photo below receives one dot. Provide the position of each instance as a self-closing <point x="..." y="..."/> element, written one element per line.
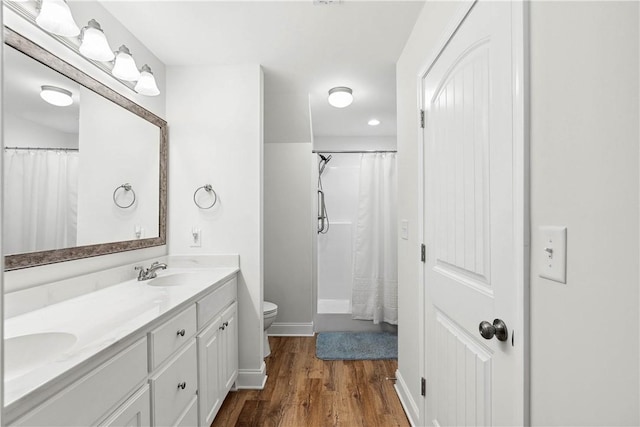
<point x="125" y="67"/>
<point x="55" y="17"/>
<point x="373" y="122"/>
<point x="94" y="43"/>
<point x="147" y="83"/>
<point x="56" y="96"/>
<point x="340" y="97"/>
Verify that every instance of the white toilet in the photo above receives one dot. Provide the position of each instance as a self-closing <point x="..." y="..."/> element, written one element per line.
<point x="269" y="313"/>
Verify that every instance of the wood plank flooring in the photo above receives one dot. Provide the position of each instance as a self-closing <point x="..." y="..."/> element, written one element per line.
<point x="303" y="391"/>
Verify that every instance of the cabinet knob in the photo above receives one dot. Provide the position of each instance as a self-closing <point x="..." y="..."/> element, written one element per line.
<point x="182" y="385"/>
<point x="181" y="332"/>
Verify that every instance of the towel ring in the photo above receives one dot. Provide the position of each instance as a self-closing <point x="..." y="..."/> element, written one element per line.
<point x="209" y="189"/>
<point x="126" y="187"/>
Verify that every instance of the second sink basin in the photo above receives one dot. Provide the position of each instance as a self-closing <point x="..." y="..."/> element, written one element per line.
<point x="27" y="352"/>
<point x="180" y="279"/>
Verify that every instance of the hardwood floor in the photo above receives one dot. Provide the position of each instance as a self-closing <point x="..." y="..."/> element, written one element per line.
<point x="303" y="391"/>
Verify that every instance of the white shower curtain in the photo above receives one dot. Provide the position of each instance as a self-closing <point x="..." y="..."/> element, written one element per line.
<point x="40" y="200"/>
<point x="375" y="279"/>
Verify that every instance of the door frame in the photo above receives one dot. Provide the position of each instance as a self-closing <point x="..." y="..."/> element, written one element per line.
<point x="521" y="133"/>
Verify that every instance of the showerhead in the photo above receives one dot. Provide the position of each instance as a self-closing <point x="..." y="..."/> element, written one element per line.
<point x="325" y="159"/>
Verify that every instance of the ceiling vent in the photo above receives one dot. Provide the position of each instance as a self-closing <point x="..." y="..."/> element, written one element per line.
<point x="325" y="2"/>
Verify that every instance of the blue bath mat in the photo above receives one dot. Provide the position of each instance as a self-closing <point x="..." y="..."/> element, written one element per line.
<point x="356" y="345"/>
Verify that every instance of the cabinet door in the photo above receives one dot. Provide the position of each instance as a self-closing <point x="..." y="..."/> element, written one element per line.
<point x="229" y="351"/>
<point x="209" y="384"/>
<point x="135" y="412"/>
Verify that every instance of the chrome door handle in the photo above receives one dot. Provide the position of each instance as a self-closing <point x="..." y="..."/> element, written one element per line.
<point x="498" y="329"/>
<point x="182" y="385"/>
<point x="181" y="332"/>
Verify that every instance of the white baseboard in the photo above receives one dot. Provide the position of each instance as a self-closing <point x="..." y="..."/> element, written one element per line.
<point x="291" y="329"/>
<point x="251" y="378"/>
<point x="409" y="405"/>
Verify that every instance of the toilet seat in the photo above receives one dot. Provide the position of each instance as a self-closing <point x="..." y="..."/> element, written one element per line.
<point x="269" y="308"/>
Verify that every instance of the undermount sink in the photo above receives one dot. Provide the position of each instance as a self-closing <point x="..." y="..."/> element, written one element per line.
<point x="27" y="352"/>
<point x="180" y="279"/>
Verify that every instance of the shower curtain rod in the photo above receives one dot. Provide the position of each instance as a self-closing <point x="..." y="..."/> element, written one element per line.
<point x="42" y="148"/>
<point x="354" y="151"/>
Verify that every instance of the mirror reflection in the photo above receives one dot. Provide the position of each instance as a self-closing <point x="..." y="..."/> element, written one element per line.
<point x="81" y="168"/>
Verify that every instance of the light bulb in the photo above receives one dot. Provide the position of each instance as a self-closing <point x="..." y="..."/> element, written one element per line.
<point x="55" y="17"/>
<point x="94" y="43"/>
<point x="56" y="96"/>
<point x="147" y="83"/>
<point x="125" y="67"/>
<point x="340" y="97"/>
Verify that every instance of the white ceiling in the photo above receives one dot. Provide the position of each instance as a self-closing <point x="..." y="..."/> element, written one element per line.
<point x="304" y="48"/>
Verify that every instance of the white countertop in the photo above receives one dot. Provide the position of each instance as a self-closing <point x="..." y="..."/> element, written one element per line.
<point x="100" y="319"/>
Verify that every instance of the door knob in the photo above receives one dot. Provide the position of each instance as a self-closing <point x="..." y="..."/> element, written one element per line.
<point x="498" y="329"/>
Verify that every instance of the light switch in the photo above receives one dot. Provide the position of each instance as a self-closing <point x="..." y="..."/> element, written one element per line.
<point x="553" y="253"/>
<point x="404" y="229"/>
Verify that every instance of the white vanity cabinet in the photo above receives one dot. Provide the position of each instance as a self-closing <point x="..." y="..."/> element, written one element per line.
<point x="217" y="363"/>
<point x="175" y="373"/>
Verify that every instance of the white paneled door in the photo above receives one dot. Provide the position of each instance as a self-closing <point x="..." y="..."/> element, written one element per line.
<point x="474" y="225"/>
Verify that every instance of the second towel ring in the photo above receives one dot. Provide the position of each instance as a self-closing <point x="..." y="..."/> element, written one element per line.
<point x="209" y="189"/>
<point x="126" y="187"/>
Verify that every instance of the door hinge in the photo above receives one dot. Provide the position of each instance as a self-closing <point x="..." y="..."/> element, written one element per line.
<point x="423" y="387"/>
<point x="422" y="119"/>
<point x="423" y="252"/>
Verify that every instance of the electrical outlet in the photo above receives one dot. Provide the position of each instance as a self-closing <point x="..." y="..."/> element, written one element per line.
<point x="196" y="237"/>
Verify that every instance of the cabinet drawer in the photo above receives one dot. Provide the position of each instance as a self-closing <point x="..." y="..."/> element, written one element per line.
<point x="170" y="336"/>
<point x="211" y="305"/>
<point x="84" y="402"/>
<point x="174" y="386"/>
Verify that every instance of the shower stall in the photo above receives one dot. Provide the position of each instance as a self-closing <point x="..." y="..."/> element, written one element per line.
<point x="347" y="185"/>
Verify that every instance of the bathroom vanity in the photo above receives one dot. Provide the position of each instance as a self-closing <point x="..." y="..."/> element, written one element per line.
<point x="159" y="352"/>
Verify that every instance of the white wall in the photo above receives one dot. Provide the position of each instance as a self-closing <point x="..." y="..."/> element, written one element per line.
<point x="354" y="143"/>
<point x="117" y="34"/>
<point x="288" y="234"/>
<point x="431" y="23"/>
<point x="584" y="175"/>
<point x="121" y="149"/>
<point x="215" y="134"/>
<point x="19" y="132"/>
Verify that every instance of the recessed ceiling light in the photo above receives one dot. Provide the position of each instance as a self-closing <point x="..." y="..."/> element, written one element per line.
<point x="340" y="97"/>
<point x="56" y="96"/>
<point x="373" y="122"/>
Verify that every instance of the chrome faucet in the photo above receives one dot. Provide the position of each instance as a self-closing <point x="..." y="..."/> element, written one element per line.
<point x="149" y="273"/>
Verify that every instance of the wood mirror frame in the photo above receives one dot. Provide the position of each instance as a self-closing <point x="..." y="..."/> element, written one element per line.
<point x="33" y="259"/>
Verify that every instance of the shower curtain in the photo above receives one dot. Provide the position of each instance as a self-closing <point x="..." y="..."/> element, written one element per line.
<point x="375" y="281"/>
<point x="41" y="192"/>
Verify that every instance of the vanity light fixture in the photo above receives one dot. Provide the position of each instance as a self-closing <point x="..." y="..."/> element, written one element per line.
<point x="373" y="122"/>
<point x="56" y="95"/>
<point x="147" y="83"/>
<point x="94" y="44"/>
<point x="125" y="67"/>
<point x="340" y="97"/>
<point x="55" y="17"/>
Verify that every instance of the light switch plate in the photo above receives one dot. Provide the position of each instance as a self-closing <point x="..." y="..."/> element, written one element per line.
<point x="553" y="253"/>
<point x="196" y="237"/>
<point x="404" y="229"/>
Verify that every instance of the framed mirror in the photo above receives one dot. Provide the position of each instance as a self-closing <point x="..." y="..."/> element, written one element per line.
<point x="85" y="173"/>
